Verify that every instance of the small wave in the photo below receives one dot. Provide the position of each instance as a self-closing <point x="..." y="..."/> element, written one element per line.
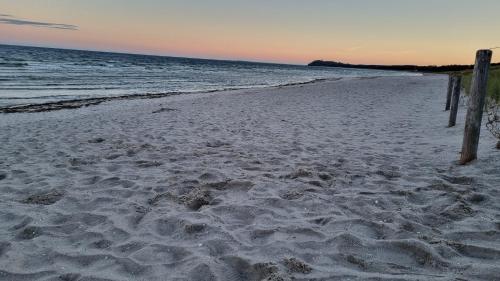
<point x="72" y="102"/>
<point x="59" y="88"/>
<point x="17" y="59"/>
<point x="60" y="97"/>
<point x="13" y="64"/>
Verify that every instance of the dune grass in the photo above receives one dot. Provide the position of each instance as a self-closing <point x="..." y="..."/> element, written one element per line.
<point x="493" y="83"/>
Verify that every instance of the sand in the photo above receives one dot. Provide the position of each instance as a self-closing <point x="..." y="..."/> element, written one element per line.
<point x="355" y="179"/>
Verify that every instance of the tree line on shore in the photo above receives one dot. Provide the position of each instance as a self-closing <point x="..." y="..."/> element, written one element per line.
<point x="417" y="68"/>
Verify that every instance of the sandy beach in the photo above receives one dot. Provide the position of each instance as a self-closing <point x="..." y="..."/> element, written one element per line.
<point x="354" y="179"/>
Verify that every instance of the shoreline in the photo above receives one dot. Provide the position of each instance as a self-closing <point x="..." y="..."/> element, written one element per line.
<point x="79" y="103"/>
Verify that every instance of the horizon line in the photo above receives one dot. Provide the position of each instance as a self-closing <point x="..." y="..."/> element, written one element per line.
<point x="214" y="59"/>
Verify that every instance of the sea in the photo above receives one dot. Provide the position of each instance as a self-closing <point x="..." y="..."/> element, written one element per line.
<point x="33" y="75"/>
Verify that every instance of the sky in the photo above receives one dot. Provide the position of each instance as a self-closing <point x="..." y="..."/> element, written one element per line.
<point x="288" y="31"/>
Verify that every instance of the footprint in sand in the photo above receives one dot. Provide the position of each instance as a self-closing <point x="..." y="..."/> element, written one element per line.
<point x="297" y="266"/>
<point x="47" y="198"/>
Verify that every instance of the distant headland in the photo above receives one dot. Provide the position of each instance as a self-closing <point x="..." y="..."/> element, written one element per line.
<point x="417" y="68"/>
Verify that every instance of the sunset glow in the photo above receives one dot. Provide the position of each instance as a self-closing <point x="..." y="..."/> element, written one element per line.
<point x="290" y="31"/>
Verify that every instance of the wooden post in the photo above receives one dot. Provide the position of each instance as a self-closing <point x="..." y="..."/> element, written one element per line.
<point x="448" y="94"/>
<point x="477" y="99"/>
<point x="455" y="97"/>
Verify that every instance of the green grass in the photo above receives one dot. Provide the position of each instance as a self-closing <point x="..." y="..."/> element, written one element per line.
<point x="493" y="83"/>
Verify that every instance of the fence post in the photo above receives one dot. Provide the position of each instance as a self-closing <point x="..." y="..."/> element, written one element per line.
<point x="448" y="94"/>
<point x="455" y="97"/>
<point x="476" y="106"/>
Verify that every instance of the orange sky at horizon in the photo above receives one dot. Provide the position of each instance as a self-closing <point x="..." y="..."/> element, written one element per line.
<point x="253" y="34"/>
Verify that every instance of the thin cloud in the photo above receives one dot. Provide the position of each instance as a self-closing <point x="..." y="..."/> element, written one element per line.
<point x="354" y="48"/>
<point x="8" y="19"/>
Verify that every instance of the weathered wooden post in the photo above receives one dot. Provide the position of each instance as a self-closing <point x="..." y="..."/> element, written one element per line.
<point x="476" y="106"/>
<point x="448" y="94"/>
<point x="455" y="97"/>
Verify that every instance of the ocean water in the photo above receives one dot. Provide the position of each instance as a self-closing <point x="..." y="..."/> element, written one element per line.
<point x="30" y="75"/>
